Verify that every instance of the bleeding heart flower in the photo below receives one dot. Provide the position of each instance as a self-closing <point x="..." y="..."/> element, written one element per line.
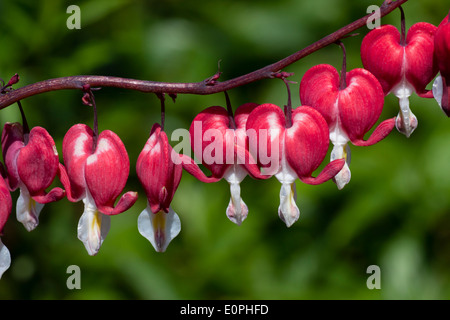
<point x="299" y="149"/>
<point x="160" y="177"/>
<point x="32" y="164"/>
<point x="351" y="106"/>
<point x="220" y="141"/>
<point x="402" y="65"/>
<point x="97" y="171"/>
<point x="441" y="85"/>
<point x="5" y="211"/>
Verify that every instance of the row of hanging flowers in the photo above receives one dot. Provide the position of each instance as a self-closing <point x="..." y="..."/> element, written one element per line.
<point x="259" y="140"/>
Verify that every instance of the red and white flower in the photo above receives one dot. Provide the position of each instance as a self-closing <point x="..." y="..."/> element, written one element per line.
<point x="299" y="148"/>
<point x="32" y="164"/>
<point x="402" y="65"/>
<point x="97" y="171"/>
<point x="160" y="177"/>
<point x="351" y="107"/>
<point x="220" y="141"/>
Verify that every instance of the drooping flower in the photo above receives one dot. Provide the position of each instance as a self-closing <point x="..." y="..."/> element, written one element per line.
<point x="351" y="106"/>
<point x="441" y="85"/>
<point x="296" y="150"/>
<point x="160" y="177"/>
<point x="32" y="164"/>
<point x="402" y="65"/>
<point x="96" y="171"/>
<point x="5" y="211"/>
<point x="220" y="141"/>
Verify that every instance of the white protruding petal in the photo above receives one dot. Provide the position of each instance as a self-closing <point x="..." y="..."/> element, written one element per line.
<point x="237" y="210"/>
<point x="406" y="121"/>
<point x="5" y="258"/>
<point x="93" y="226"/>
<point x="438" y="90"/>
<point x="159" y="228"/>
<point x="342" y="152"/>
<point x="288" y="210"/>
<point x="28" y="210"/>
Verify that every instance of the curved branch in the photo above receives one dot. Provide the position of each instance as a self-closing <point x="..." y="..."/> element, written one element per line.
<point x="201" y="88"/>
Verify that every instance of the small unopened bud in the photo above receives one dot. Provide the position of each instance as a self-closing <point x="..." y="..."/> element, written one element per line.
<point x="15" y="78"/>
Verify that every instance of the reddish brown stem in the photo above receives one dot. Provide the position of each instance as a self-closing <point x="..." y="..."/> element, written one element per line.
<point x="200" y="88"/>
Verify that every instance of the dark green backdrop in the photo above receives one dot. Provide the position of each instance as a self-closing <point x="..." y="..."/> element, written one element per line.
<point x="395" y="213"/>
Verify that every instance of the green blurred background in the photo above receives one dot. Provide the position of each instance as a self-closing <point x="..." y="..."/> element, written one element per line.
<point x="395" y="213"/>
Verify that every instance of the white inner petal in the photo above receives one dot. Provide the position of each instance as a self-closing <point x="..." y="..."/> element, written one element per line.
<point x="343" y="177"/>
<point x="237" y="210"/>
<point x="5" y="258"/>
<point x="288" y="210"/>
<point x="337" y="134"/>
<point x="27" y="210"/>
<point x="93" y="226"/>
<point x="159" y="228"/>
<point x="438" y="90"/>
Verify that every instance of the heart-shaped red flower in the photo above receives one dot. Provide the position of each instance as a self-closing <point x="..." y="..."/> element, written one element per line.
<point x="32" y="164"/>
<point x="294" y="151"/>
<point x="97" y="172"/>
<point x="402" y="65"/>
<point x="219" y="140"/>
<point x="351" y="108"/>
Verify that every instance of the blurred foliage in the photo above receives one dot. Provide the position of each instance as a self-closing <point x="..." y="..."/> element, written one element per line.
<point x="395" y="213"/>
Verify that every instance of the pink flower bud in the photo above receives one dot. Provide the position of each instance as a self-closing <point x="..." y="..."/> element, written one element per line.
<point x="160" y="177"/>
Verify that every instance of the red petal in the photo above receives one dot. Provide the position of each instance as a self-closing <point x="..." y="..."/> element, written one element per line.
<point x="330" y="170"/>
<point x="125" y="202"/>
<point x="241" y="115"/>
<point x="12" y="142"/>
<point x="77" y="146"/>
<point x="421" y="67"/>
<point x="442" y="47"/>
<point x="265" y="127"/>
<point x="5" y="204"/>
<point x="319" y="89"/>
<point x="157" y="172"/>
<point x="106" y="171"/>
<point x="360" y="104"/>
<point x="380" y="132"/>
<point x="37" y="162"/>
<point x="192" y="168"/>
<point x="306" y="142"/>
<point x="217" y="121"/>
<point x="382" y="55"/>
